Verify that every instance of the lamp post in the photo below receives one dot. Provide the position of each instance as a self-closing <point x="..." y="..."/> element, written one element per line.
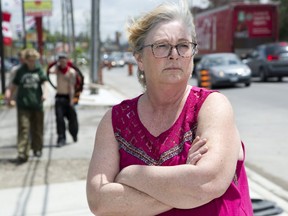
<point x="95" y="43"/>
<point x="2" y="53"/>
<point x="24" y="26"/>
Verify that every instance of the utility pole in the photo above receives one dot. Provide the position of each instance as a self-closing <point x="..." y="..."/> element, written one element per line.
<point x="68" y="24"/>
<point x="63" y="24"/>
<point x="2" y="53"/>
<point x="68" y="18"/>
<point x="24" y="26"/>
<point x="95" y="42"/>
<point x="71" y="13"/>
<point x="39" y="36"/>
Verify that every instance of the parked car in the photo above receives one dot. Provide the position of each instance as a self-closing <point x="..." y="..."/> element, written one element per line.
<point x="223" y="69"/>
<point x="116" y="59"/>
<point x="269" y="60"/>
<point x="8" y="65"/>
<point x="129" y="58"/>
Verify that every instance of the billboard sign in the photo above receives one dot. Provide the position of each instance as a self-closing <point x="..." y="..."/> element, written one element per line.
<point x="38" y="8"/>
<point x="253" y="23"/>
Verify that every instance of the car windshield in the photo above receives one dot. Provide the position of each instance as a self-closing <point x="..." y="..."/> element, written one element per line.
<point x="277" y="49"/>
<point x="224" y="60"/>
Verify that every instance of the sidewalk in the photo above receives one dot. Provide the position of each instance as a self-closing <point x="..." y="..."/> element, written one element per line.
<point x="69" y="199"/>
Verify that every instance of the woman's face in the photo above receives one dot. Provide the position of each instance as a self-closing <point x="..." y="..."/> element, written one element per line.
<point x="172" y="69"/>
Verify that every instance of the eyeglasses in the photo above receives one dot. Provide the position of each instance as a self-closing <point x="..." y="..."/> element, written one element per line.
<point x="162" y="50"/>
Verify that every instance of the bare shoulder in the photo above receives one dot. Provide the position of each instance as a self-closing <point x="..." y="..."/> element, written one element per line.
<point x="105" y="125"/>
<point x="53" y="69"/>
<point x="105" y="157"/>
<point x="105" y="133"/>
<point x="73" y="72"/>
<point x="216" y="103"/>
<point x="105" y="141"/>
<point x="216" y="110"/>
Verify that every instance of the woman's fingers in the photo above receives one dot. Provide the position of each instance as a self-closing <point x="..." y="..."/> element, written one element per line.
<point x="196" y="156"/>
<point x="193" y="159"/>
<point x="198" y="148"/>
<point x="197" y="144"/>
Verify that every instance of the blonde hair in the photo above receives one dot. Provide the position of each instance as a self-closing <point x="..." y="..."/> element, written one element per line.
<point x="169" y="11"/>
<point x="139" y="28"/>
<point x="21" y="54"/>
<point x="31" y="53"/>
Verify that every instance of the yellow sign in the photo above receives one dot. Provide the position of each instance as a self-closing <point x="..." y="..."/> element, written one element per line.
<point x="38" y="7"/>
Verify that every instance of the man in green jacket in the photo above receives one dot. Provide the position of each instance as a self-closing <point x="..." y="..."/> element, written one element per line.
<point x="31" y="84"/>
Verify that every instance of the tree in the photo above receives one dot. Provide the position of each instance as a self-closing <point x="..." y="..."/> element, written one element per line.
<point x="283" y="20"/>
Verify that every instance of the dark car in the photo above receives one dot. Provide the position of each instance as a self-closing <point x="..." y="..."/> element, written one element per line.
<point x="269" y="60"/>
<point x="222" y="69"/>
<point x="116" y="59"/>
<point x="8" y="65"/>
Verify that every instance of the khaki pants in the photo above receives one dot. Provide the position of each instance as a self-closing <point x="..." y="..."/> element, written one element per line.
<point x="30" y="131"/>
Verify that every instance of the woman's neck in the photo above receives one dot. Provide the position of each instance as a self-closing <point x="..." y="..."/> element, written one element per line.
<point x="165" y="98"/>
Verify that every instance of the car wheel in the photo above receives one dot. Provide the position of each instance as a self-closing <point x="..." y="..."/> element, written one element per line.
<point x="199" y="83"/>
<point x="263" y="75"/>
<point x="279" y="79"/>
<point x="247" y="84"/>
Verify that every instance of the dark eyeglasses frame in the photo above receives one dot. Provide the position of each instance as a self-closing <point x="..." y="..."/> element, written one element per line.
<point x="194" y="49"/>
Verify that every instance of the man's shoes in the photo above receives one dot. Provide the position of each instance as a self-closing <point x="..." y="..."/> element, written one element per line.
<point x="20" y="160"/>
<point x="37" y="153"/>
<point x="75" y="139"/>
<point x="61" y="142"/>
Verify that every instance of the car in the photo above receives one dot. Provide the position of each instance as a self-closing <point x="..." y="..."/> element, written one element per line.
<point x="269" y="60"/>
<point x="129" y="58"/>
<point x="219" y="69"/>
<point x="116" y="59"/>
<point x="8" y="65"/>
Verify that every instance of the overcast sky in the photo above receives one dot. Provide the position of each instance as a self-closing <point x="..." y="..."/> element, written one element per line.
<point x="113" y="15"/>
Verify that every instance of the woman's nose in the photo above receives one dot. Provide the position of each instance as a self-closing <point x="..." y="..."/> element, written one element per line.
<point x="174" y="53"/>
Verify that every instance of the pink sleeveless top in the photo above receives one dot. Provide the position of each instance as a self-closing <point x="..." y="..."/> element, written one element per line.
<point x="138" y="146"/>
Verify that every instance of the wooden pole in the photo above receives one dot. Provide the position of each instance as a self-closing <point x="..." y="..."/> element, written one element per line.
<point x="39" y="29"/>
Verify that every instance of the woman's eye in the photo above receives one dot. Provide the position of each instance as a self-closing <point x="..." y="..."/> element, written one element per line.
<point x="162" y="46"/>
<point x="184" y="45"/>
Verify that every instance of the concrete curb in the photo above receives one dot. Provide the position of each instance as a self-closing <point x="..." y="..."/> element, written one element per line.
<point x="262" y="188"/>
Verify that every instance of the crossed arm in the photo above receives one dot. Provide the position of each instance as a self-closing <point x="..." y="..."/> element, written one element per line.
<point x="151" y="190"/>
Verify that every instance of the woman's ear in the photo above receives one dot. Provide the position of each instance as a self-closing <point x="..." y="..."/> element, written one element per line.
<point x="138" y="57"/>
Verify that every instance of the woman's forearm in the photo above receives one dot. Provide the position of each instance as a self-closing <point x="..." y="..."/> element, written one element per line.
<point x="117" y="199"/>
<point x="172" y="185"/>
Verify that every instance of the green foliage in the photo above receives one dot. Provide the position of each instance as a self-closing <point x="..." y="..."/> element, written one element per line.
<point x="283" y="20"/>
<point x="2" y="101"/>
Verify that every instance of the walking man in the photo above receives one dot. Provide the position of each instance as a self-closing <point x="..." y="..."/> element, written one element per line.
<point x="64" y="105"/>
<point x="30" y="83"/>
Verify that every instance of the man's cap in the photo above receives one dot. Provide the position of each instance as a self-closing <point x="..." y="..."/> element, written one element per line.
<point x="62" y="55"/>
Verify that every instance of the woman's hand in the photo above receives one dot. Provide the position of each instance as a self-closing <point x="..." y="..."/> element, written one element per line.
<point x="198" y="148"/>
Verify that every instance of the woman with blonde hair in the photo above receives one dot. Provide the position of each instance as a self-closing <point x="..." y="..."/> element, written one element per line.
<point x="175" y="149"/>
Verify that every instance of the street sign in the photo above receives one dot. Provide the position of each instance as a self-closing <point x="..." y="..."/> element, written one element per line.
<point x="38" y="8"/>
